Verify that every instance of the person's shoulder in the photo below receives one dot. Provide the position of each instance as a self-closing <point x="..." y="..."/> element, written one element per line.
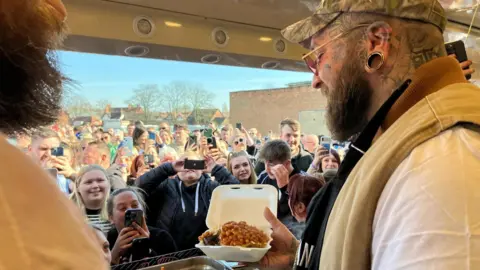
<point x="438" y="173"/>
<point x="163" y="240"/>
<point x="263" y="178"/>
<point x="36" y="205"/>
<point x="304" y="154"/>
<point x="453" y="148"/>
<point x="159" y="233"/>
<point x="432" y="195"/>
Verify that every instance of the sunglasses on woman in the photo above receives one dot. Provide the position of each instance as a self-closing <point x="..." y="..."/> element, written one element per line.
<point x="239" y="141"/>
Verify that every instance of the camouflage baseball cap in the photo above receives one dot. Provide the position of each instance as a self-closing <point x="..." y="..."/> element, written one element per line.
<point x="429" y="11"/>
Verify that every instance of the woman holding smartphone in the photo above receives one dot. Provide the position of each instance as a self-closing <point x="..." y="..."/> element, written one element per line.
<point x="325" y="164"/>
<point x="129" y="239"/>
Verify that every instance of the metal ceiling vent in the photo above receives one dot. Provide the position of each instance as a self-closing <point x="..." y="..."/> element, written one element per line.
<point x="220" y="37"/>
<point x="137" y="51"/>
<point x="211" y="59"/>
<point x="280" y="46"/>
<point x="144" y="26"/>
<point x="271" y="64"/>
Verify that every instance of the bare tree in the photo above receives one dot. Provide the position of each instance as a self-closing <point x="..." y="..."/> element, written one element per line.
<point x="174" y="97"/>
<point x="101" y="104"/>
<point x="76" y="105"/>
<point x="148" y="98"/>
<point x="198" y="98"/>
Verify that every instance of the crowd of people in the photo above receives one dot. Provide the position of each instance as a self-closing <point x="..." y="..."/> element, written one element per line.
<point x="105" y="176"/>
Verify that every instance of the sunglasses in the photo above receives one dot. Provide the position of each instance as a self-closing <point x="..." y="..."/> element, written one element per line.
<point x="311" y="58"/>
<point x="239" y="141"/>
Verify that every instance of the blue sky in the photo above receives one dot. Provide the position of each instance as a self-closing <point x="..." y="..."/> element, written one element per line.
<point x="114" y="77"/>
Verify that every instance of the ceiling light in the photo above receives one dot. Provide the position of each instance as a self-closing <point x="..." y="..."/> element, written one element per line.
<point x="280" y="46"/>
<point x="172" y="24"/>
<point x="211" y="59"/>
<point x="220" y="37"/>
<point x="137" y="51"/>
<point x="271" y="65"/>
<point x="143" y="26"/>
<point x="265" y="39"/>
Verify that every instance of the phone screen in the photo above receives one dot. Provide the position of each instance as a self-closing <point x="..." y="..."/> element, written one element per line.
<point x="208" y="133"/>
<point x="129" y="146"/>
<point x="133" y="215"/>
<point x="57" y="152"/>
<point x="239" y="126"/>
<point x="151" y="136"/>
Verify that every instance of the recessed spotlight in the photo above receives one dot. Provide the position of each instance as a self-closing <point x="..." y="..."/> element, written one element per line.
<point x="173" y="24"/>
<point x="137" y="51"/>
<point x="143" y="26"/>
<point x="271" y="64"/>
<point x="211" y="59"/>
<point x="280" y="46"/>
<point x="265" y="39"/>
<point x="220" y="37"/>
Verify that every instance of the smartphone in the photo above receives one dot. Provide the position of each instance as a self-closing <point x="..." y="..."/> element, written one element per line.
<point x="53" y="172"/>
<point x="212" y="141"/>
<point x="326" y="143"/>
<point x="208" y="133"/>
<point x="57" y="152"/>
<point x="458" y="48"/>
<point x="191" y="164"/>
<point x="239" y="126"/>
<point x="151" y="136"/>
<point x="140" y="248"/>
<point x="148" y="159"/>
<point x="128" y="143"/>
<point x="133" y="215"/>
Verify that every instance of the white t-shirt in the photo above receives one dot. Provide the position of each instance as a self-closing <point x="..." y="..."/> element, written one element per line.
<point x="40" y="228"/>
<point x="428" y="216"/>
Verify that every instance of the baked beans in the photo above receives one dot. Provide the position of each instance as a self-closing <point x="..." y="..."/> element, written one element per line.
<point x="238" y="234"/>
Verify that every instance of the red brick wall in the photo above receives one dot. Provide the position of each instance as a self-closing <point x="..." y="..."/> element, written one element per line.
<point x="265" y="109"/>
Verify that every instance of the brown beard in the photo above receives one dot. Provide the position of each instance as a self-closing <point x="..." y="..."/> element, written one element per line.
<point x="349" y="102"/>
<point x="30" y="82"/>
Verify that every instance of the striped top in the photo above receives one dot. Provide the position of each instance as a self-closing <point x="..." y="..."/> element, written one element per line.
<point x="94" y="218"/>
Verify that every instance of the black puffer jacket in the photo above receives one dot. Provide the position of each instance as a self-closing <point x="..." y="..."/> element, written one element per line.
<point x="164" y="204"/>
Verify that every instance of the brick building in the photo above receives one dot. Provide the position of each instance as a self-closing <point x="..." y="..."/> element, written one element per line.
<point x="265" y="109"/>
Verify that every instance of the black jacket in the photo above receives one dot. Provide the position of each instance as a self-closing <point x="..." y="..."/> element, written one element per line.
<point x="160" y="242"/>
<point x="164" y="206"/>
<point x="301" y="162"/>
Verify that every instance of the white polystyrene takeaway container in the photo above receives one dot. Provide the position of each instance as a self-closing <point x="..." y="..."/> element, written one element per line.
<point x="240" y="203"/>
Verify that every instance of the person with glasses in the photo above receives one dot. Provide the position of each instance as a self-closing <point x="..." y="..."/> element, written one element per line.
<point x="389" y="83"/>
<point x="107" y="138"/>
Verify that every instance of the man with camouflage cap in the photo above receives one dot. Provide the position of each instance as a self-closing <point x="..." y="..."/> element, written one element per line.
<point x="406" y="195"/>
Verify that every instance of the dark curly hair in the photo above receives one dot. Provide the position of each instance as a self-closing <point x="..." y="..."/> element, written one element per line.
<point x="31" y="83"/>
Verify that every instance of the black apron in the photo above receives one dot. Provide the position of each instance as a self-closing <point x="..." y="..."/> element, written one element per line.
<point x="310" y="249"/>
